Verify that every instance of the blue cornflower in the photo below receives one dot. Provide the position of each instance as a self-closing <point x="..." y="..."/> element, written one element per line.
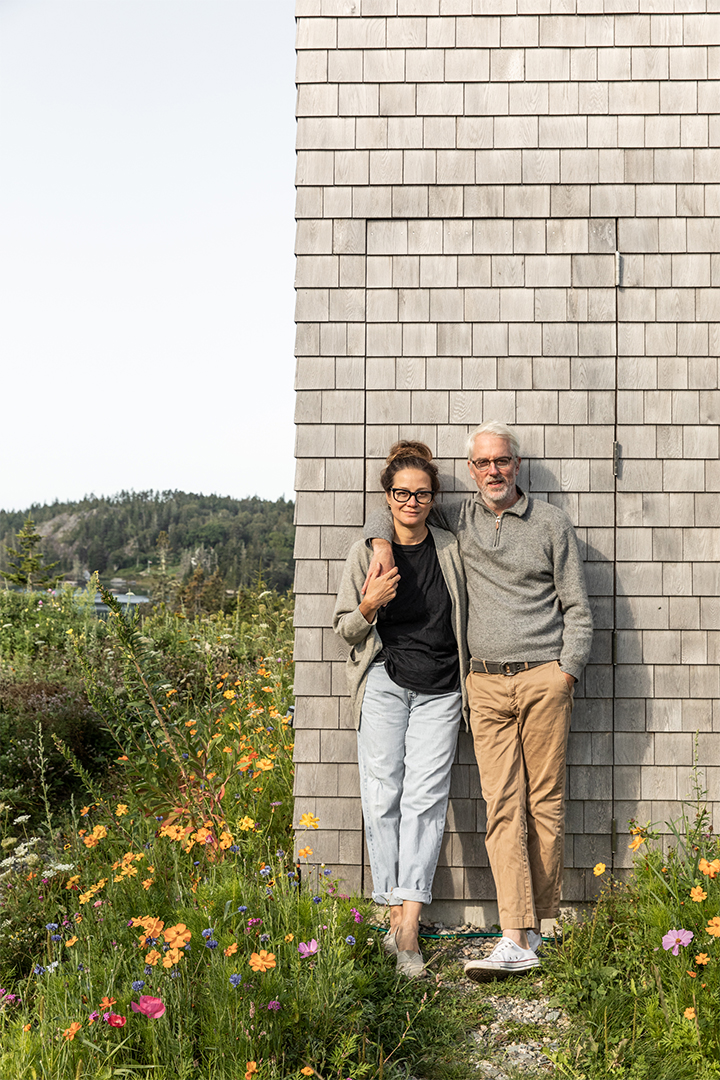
<point x="38" y="970"/>
<point x="350" y="939"/>
<point x="185" y="756"/>
<point x="317" y="899"/>
<point x="51" y="926"/>
<point x="264" y="938"/>
<point x="235" y="980"/>
<point x="148" y="969"/>
<point x="280" y="854"/>
<point x="81" y="967"/>
<point x="138" y="984"/>
<point x="234" y="848"/>
<point x="174" y="974"/>
<point x="151" y="941"/>
<point x="327" y="873"/>
<point x="208" y="933"/>
<point x="56" y="937"/>
<point x="265" y="872"/>
<point x="242" y="908"/>
<point x="211" y="944"/>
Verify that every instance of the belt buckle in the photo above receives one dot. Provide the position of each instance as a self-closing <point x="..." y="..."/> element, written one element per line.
<point x="509" y="669"/>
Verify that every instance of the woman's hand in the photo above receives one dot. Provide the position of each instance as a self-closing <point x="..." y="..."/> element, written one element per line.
<point x="379" y="591"/>
<point x="382" y="561"/>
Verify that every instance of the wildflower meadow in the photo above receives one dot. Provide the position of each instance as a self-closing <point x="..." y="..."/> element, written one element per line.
<point x="169" y="922"/>
<point x="642" y="973"/>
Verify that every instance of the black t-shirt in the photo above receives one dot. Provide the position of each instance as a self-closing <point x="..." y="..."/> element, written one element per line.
<point x="419" y="647"/>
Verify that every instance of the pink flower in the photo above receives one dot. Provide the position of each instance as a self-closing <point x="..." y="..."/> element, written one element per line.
<point x="115" y="1020"/>
<point x="308" y="949"/>
<point x="675" y="938"/>
<point x="149" y="1006"/>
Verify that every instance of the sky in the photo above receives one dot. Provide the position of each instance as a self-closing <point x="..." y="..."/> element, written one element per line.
<point x="146" y="247"/>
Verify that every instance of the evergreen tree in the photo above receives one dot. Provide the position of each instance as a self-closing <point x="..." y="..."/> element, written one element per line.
<point x="27" y="562"/>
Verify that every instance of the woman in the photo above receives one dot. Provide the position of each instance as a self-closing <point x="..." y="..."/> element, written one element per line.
<point x="406" y="676"/>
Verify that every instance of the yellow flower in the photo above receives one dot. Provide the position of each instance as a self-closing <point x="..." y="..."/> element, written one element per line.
<point x="147" y="883"/>
<point x="70" y="941"/>
<point x="289" y="937"/>
<point x="689" y="1014"/>
<point x="231" y="949"/>
<point x="72" y="881"/>
<point x="265" y="765"/>
<point x="250" y="1068"/>
<point x="713" y="926"/>
<point x="230" y="694"/>
<point x="85" y="811"/>
<point x="309" y="821"/>
<point x="304" y="852"/>
<point x="262" y="961"/>
<point x="246" y="823"/>
<point x="121" y="810"/>
<point x="152" y="957"/>
<point x="307" y="1071"/>
<point x="599" y="869"/>
<point x="225" y="840"/>
<point x="702" y="958"/>
<point x="636" y="843"/>
<point x="698" y="894"/>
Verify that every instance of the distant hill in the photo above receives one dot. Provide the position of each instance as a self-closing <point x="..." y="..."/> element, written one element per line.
<point x="117" y="536"/>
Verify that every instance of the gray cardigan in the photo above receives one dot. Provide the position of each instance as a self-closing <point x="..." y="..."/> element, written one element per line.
<point x="363" y="637"/>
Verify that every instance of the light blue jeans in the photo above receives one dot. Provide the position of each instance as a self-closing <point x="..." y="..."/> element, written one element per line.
<point x="406" y="746"/>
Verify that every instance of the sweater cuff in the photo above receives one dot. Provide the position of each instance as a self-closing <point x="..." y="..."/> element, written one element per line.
<point x="356" y="626"/>
<point x="571" y="666"/>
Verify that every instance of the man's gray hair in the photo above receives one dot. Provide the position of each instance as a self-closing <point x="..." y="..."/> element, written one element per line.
<point x="494" y="427"/>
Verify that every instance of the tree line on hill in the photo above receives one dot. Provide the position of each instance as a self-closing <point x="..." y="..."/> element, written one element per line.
<point x="153" y="533"/>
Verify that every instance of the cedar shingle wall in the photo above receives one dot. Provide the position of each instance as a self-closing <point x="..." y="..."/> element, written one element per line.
<point x="467" y="170"/>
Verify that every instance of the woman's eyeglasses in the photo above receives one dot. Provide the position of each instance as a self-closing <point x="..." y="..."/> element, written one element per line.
<point x="402" y="495"/>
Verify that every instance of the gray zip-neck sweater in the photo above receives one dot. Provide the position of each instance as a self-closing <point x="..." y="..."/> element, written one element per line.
<point x="526" y="586"/>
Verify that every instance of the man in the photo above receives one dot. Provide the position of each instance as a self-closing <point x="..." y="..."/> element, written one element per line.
<point x="529" y="634"/>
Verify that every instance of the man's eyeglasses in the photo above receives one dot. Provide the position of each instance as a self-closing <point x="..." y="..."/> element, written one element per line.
<point x="402" y="495"/>
<point x="483" y="464"/>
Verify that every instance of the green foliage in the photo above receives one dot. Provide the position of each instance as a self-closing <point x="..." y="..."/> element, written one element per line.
<point x="26" y="563"/>
<point x="649" y="1013"/>
<point x="193" y="831"/>
<point x="238" y="537"/>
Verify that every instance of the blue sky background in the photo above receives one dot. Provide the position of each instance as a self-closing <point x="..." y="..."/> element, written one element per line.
<point x="146" y="247"/>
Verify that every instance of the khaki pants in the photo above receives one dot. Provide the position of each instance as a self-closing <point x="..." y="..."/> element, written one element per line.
<point x="520" y="726"/>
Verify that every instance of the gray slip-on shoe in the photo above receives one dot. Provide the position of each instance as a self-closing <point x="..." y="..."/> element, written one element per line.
<point x="410" y="964"/>
<point x="389" y="944"/>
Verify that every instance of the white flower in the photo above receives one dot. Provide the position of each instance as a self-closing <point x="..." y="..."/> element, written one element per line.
<point x="22" y="819"/>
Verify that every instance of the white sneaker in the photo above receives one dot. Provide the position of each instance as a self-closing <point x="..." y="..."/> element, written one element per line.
<point x="534" y="940"/>
<point x="507" y="958"/>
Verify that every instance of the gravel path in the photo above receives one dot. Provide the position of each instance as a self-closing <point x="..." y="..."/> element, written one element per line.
<point x="518" y="1031"/>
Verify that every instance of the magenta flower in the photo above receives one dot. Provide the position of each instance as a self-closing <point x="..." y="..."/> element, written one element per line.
<point x="308" y="949"/>
<point x="674" y="938"/>
<point x="149" y="1006"/>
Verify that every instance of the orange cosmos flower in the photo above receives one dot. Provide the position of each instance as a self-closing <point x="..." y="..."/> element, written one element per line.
<point x="171" y="957"/>
<point x="262" y="961"/>
<point x="69" y="1033"/>
<point x="698" y="894"/>
<point x="304" y="852"/>
<point x="702" y="958"/>
<point x="689" y="1014"/>
<point x="152" y="957"/>
<point x="713" y="926"/>
<point x="106" y="1002"/>
<point x="70" y="941"/>
<point x="177" y="936"/>
<point x="231" y="949"/>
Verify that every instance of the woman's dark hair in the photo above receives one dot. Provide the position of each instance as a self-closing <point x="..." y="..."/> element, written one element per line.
<point x="409" y="455"/>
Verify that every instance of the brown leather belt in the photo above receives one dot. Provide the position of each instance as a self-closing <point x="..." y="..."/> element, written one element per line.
<point x="512" y="667"/>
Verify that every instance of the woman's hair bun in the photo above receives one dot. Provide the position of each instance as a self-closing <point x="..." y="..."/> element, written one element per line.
<point x="407" y="448"/>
